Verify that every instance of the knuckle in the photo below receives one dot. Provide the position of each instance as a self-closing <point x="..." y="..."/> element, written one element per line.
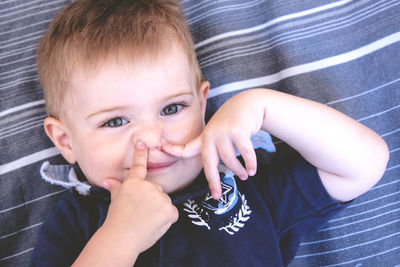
<point x="129" y="183"/>
<point x="209" y="162"/>
<point x="174" y="214"/>
<point x="231" y="162"/>
<point x="247" y="151"/>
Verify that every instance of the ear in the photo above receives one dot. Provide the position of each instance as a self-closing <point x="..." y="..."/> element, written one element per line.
<point x="58" y="133"/>
<point x="203" y="94"/>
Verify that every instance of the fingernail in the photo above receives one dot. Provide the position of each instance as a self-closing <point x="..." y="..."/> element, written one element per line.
<point x="243" y="177"/>
<point x="140" y="145"/>
<point x="106" y="186"/>
<point x="251" y="172"/>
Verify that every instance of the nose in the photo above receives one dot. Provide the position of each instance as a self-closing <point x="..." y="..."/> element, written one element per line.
<point x="150" y="132"/>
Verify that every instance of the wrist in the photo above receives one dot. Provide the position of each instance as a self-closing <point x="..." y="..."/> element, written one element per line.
<point x="118" y="237"/>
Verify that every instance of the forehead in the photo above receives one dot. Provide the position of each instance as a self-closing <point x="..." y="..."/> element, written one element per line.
<point x="125" y="79"/>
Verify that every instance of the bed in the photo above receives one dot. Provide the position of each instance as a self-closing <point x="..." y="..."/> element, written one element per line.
<point x="344" y="54"/>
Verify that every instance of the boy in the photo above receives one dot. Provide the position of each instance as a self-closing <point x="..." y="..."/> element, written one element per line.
<point x="126" y="101"/>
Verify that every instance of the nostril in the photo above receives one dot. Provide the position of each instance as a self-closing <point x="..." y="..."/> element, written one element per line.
<point x="149" y="132"/>
<point x="152" y="144"/>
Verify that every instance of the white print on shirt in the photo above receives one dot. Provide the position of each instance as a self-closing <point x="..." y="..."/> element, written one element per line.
<point x="198" y="211"/>
<point x="238" y="220"/>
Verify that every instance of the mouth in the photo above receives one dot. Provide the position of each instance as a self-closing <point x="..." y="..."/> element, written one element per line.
<point x="156" y="166"/>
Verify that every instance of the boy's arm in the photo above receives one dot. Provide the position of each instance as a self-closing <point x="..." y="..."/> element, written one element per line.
<point x="139" y="214"/>
<point x="350" y="157"/>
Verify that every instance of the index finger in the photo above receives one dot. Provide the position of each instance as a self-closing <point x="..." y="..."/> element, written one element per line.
<point x="210" y="165"/>
<point x="188" y="150"/>
<point x="139" y="166"/>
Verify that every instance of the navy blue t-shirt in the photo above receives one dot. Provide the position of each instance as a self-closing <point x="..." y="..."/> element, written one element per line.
<point x="256" y="222"/>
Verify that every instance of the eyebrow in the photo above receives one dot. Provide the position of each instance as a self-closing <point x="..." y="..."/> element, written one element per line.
<point x="111" y="109"/>
<point x="106" y="110"/>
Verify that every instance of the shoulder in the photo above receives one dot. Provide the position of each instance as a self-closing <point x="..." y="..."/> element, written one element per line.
<point x="286" y="177"/>
<point x="70" y="213"/>
<point x="68" y="227"/>
<point x="83" y="209"/>
<point x="295" y="196"/>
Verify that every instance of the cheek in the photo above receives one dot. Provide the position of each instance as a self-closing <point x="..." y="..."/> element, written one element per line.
<point x="100" y="158"/>
<point x="184" y="130"/>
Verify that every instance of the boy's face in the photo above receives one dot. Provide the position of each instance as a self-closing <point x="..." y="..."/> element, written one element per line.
<point x="109" y="109"/>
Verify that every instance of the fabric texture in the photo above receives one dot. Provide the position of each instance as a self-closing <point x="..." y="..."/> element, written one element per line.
<point x="342" y="53"/>
<point x="254" y="222"/>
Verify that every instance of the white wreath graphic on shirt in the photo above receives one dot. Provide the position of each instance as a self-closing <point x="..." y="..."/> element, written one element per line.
<point x="196" y="213"/>
<point x="191" y="209"/>
<point x="238" y="221"/>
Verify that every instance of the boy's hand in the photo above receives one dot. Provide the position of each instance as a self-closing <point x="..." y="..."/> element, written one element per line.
<point x="139" y="211"/>
<point x="231" y="126"/>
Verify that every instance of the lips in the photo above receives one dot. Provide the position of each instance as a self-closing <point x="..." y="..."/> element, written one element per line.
<point x="153" y="166"/>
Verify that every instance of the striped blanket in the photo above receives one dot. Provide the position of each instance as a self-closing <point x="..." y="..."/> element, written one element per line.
<point x="345" y="54"/>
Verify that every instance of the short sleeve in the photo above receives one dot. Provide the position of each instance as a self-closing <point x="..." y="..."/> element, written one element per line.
<point x="60" y="238"/>
<point x="296" y="198"/>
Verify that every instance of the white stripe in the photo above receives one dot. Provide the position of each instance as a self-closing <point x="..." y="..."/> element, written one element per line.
<point x="348" y="235"/>
<point x="29" y="119"/>
<point x="385" y="184"/>
<point x="394" y="150"/>
<point x="363" y="93"/>
<point x="375" y="199"/>
<point x="19" y="51"/>
<point x="17" y="254"/>
<point x="272" y="22"/>
<point x="365" y="202"/>
<point x="295" y="35"/>
<point x="33" y="7"/>
<point x="20" y="81"/>
<point x="194" y="6"/>
<point x="22" y="37"/>
<point x="389" y="133"/>
<point x="349" y="247"/>
<point x="23" y="40"/>
<point x="33" y="200"/>
<point x="393" y="167"/>
<point x="22" y="69"/>
<point x="6" y="10"/>
<point x="16" y="73"/>
<point x="27" y="58"/>
<point x="360" y="221"/>
<point x="35" y="122"/>
<point x="23" y="129"/>
<point x="23" y="27"/>
<point x="23" y="229"/>
<point x="224" y="9"/>
<point x="372" y="200"/>
<point x="308" y="67"/>
<point x="27" y="160"/>
<point x="379" y="113"/>
<point x="363" y="258"/>
<point x="21" y="107"/>
<point x="360" y="213"/>
<point x="30" y="16"/>
<point x="205" y="5"/>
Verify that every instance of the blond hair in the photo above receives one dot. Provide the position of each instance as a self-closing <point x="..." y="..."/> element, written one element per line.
<point x="88" y="31"/>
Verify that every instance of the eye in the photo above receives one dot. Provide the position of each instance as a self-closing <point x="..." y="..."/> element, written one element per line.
<point x="172" y="109"/>
<point x="115" y="122"/>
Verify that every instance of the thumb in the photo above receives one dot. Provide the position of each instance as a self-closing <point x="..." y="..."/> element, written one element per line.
<point x="112" y="185"/>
